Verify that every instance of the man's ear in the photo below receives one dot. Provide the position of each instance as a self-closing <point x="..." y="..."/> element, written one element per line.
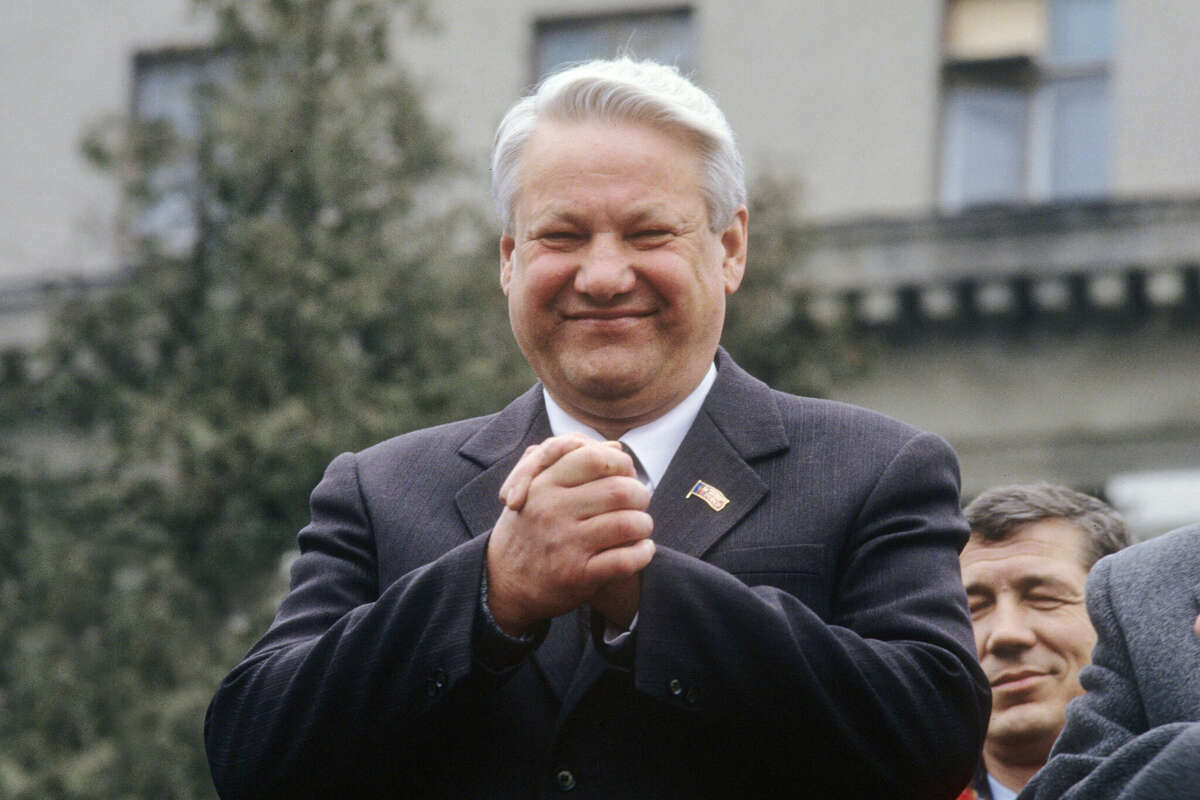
<point x="734" y="241"/>
<point x="507" y="245"/>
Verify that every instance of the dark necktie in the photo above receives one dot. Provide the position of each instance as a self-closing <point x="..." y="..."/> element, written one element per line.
<point x="642" y="475"/>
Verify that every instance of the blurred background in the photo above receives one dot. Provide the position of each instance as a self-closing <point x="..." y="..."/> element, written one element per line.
<point x="238" y="237"/>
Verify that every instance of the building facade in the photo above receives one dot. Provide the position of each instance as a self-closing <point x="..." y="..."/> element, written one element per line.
<point x="1002" y="192"/>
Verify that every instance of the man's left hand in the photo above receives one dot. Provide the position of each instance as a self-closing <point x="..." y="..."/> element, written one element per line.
<point x="617" y="600"/>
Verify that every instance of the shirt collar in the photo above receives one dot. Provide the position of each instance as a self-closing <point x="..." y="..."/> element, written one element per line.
<point x="999" y="790"/>
<point x="655" y="442"/>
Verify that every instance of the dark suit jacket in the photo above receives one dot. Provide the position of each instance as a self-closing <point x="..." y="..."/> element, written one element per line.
<point x="1135" y="734"/>
<point x="809" y="640"/>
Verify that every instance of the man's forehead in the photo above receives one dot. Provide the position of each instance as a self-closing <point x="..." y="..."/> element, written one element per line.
<point x="630" y="171"/>
<point x="564" y="208"/>
<point x="1049" y="539"/>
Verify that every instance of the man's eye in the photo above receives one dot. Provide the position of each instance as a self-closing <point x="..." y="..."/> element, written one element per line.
<point x="560" y="239"/>
<point x="652" y="236"/>
<point x="977" y="607"/>
<point x="1045" y="601"/>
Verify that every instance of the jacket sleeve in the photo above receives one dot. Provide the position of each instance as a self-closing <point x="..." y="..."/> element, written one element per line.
<point x="884" y="696"/>
<point x="344" y="666"/>
<point x="1108" y="750"/>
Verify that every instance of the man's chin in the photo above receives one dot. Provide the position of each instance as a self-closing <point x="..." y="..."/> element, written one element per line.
<point x="610" y="378"/>
<point x="1026" y="724"/>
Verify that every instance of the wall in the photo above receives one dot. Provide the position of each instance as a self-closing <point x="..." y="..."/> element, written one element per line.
<point x="63" y="65"/>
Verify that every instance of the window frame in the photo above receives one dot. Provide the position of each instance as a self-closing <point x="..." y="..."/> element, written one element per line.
<point x="1036" y="75"/>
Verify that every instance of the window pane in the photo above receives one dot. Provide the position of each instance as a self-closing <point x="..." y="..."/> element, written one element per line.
<point x="1080" y="30"/>
<point x="1080" y="136"/>
<point x="665" y="36"/>
<point x="985" y="145"/>
<point x="167" y="88"/>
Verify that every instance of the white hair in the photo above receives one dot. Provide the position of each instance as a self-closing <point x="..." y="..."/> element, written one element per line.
<point x="624" y="90"/>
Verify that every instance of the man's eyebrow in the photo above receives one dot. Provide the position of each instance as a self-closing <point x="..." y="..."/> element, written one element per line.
<point x="555" y="217"/>
<point x="1038" y="581"/>
<point x="637" y="215"/>
<point x="1024" y="583"/>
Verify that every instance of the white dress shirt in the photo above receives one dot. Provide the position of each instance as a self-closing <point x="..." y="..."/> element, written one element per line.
<point x="999" y="790"/>
<point x="655" y="442"/>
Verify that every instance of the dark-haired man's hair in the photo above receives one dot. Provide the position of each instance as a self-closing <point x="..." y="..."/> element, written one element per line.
<point x="997" y="513"/>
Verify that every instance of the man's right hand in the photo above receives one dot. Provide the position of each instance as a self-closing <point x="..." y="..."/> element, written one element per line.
<point x="582" y="524"/>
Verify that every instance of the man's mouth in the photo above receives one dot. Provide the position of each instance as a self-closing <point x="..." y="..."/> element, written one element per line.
<point x="1016" y="678"/>
<point x="605" y="314"/>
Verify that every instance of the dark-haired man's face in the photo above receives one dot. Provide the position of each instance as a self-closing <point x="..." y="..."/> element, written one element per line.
<point x="1032" y="631"/>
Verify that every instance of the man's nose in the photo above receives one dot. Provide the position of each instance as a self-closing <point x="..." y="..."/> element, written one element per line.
<point x="605" y="268"/>
<point x="1009" y="629"/>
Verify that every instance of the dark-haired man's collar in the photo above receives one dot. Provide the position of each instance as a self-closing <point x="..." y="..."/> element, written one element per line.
<point x="999" y="790"/>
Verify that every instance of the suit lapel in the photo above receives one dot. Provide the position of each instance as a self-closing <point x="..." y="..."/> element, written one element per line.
<point x="739" y="422"/>
<point x="496" y="448"/>
<point x="688" y="523"/>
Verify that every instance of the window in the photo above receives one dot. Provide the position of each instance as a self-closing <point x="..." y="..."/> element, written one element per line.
<point x="168" y="88"/>
<point x="1026" y="100"/>
<point x="665" y="35"/>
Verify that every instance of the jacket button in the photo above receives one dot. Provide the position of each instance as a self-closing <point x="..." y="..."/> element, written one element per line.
<point x="436" y="681"/>
<point x="564" y="780"/>
<point x="692" y="696"/>
<point x="675" y="686"/>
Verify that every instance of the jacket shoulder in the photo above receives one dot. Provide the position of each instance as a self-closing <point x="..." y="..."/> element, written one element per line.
<point x="445" y="438"/>
<point x="1167" y="557"/>
<point x="860" y="427"/>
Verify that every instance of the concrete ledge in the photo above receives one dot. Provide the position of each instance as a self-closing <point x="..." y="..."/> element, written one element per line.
<point x="1086" y="257"/>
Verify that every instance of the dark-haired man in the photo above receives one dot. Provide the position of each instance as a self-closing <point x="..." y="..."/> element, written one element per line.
<point x="1025" y="568"/>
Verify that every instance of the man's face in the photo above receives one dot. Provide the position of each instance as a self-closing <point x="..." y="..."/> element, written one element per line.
<point x="1031" y="628"/>
<point x="616" y="282"/>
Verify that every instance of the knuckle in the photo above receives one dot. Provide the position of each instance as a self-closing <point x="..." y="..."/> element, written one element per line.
<point x="631" y="524"/>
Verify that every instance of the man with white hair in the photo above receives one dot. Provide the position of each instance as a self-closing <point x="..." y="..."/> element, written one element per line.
<point x="649" y="576"/>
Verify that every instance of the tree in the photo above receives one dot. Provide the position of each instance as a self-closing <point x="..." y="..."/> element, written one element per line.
<point x="768" y="328"/>
<point x="327" y="302"/>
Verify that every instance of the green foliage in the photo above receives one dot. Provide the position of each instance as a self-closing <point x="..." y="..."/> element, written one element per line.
<point x="767" y="328"/>
<point x="329" y="297"/>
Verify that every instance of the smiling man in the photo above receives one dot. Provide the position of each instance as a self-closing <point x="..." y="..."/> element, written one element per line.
<point x="651" y="575"/>
<point x="1025" y="569"/>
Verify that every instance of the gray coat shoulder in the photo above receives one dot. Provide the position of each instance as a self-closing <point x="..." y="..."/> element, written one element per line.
<point x="1169" y="557"/>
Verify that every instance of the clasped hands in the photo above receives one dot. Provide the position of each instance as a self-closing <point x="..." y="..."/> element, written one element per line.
<point x="574" y="530"/>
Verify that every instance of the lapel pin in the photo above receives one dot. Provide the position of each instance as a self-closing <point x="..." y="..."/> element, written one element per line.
<point x="715" y="498"/>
